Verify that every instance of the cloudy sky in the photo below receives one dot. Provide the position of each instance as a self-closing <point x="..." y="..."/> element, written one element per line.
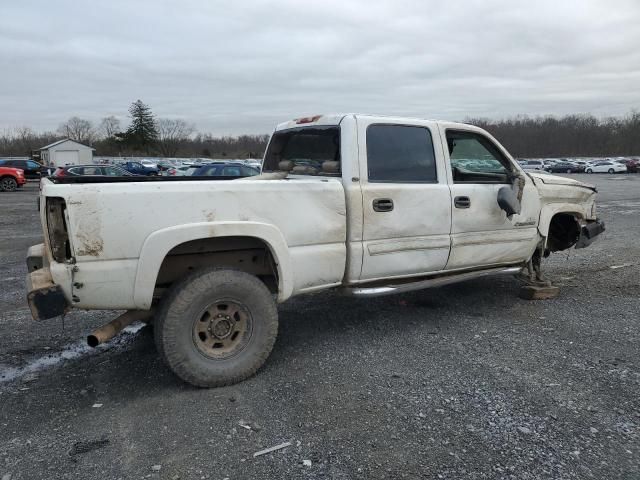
<point x="241" y="67"/>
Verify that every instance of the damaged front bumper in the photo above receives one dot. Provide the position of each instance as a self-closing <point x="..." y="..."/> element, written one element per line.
<point x="589" y="232"/>
<point x="45" y="298"/>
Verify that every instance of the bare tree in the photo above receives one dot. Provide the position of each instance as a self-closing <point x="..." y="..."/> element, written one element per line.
<point x="79" y="130"/>
<point x="109" y="126"/>
<point x="171" y="134"/>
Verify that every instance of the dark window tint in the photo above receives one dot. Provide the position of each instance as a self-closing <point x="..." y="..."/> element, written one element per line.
<point x="398" y="153"/>
<point x="232" y="171"/>
<point x="207" y="171"/>
<point x="313" y="149"/>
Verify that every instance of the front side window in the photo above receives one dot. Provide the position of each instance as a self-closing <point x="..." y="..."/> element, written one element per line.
<point x="400" y="154"/>
<point x="475" y="159"/>
<point x="305" y="151"/>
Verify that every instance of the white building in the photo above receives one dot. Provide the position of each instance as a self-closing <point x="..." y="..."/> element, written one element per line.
<point x="66" y="152"/>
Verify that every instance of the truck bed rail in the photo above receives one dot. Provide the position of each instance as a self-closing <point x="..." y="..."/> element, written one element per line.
<point x="134" y="179"/>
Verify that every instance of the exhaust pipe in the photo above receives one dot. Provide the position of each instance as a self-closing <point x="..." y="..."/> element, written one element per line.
<point x="115" y="326"/>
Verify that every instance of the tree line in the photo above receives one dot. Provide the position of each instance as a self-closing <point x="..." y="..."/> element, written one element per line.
<point x="567" y="136"/>
<point x="145" y="135"/>
<point x="523" y="136"/>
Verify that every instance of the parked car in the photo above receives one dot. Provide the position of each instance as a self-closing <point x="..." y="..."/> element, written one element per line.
<point x="164" y="165"/>
<point x="181" y="171"/>
<point x="565" y="167"/>
<point x="31" y="168"/>
<point x="580" y="163"/>
<point x="534" y="165"/>
<point x="11" y="179"/>
<point x="607" y="167"/>
<point x="138" y="168"/>
<point x="91" y="170"/>
<point x="208" y="260"/>
<point x="633" y="165"/>
<point x="149" y="163"/>
<point x="226" y="169"/>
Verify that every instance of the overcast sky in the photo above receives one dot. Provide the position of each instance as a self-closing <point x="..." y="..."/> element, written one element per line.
<point x="241" y="67"/>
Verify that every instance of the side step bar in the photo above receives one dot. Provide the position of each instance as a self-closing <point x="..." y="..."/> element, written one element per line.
<point x="427" y="283"/>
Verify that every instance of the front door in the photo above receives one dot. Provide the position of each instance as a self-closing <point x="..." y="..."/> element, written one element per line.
<point x="481" y="233"/>
<point x="406" y="199"/>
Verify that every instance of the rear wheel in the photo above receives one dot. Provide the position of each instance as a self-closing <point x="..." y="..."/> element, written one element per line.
<point x="216" y="327"/>
<point x="568" y="170"/>
<point x="611" y="170"/>
<point x="589" y="170"/>
<point x="8" y="184"/>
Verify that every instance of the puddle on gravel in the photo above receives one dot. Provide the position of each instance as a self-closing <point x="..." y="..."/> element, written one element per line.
<point x="52" y="359"/>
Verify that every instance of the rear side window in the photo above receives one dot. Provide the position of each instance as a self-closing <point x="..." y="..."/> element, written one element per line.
<point x="400" y="154"/>
<point x="232" y="171"/>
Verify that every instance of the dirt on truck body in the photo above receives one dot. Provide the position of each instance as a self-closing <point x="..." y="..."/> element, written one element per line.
<point x="368" y="205"/>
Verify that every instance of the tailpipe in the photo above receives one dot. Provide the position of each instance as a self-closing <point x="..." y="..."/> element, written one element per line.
<point x="115" y="326"/>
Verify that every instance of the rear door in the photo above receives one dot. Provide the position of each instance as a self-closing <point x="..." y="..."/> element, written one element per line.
<point x="406" y="199"/>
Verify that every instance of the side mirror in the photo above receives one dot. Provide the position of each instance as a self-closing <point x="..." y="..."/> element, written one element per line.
<point x="508" y="201"/>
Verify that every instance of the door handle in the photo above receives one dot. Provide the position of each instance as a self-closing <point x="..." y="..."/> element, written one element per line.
<point x="382" y="205"/>
<point x="462" y="202"/>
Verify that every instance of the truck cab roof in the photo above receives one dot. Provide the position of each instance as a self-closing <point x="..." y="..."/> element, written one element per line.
<point x="335" y="119"/>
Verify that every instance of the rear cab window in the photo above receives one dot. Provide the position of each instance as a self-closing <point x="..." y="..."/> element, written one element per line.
<point x="305" y="151"/>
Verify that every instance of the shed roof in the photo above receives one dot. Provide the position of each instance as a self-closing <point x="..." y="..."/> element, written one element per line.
<point x="58" y="142"/>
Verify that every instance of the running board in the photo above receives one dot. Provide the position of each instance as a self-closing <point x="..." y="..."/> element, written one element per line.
<point x="427" y="283"/>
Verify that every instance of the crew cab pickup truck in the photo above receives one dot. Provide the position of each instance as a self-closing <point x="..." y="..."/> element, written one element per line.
<point x="368" y="205"/>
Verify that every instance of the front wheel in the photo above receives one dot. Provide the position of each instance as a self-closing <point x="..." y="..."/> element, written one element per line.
<point x="216" y="327"/>
<point x="611" y="170"/>
<point x="568" y="170"/>
<point x="589" y="170"/>
<point x="8" y="184"/>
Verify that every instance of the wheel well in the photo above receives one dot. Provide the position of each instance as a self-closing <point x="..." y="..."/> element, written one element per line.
<point x="564" y="231"/>
<point x="247" y="254"/>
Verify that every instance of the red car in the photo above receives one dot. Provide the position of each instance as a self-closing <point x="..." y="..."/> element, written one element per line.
<point x="11" y="179"/>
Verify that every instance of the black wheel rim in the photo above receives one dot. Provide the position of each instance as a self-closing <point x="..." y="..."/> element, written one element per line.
<point x="8" y="184"/>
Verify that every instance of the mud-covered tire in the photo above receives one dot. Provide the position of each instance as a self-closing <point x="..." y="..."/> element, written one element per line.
<point x="182" y="311"/>
<point x="8" y="184"/>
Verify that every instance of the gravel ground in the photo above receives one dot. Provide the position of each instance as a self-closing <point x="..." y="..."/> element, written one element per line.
<point x="462" y="382"/>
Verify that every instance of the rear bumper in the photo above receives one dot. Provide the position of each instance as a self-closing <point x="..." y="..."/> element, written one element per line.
<point x="45" y="298"/>
<point x="589" y="232"/>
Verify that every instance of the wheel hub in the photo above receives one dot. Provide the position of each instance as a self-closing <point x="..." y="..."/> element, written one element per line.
<point x="222" y="329"/>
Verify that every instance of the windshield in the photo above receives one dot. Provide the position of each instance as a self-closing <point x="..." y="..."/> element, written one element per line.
<point x="305" y="151"/>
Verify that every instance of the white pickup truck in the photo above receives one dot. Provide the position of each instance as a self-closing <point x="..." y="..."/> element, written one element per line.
<point x="369" y="205"/>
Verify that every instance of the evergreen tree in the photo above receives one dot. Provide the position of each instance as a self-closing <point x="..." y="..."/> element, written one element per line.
<point x="142" y="133"/>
